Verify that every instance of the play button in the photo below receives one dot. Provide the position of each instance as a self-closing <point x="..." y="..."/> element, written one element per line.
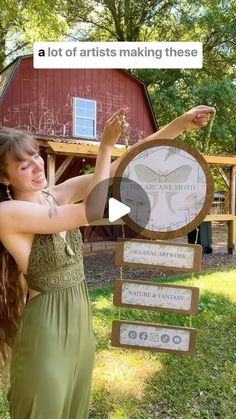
<point x="116" y="210"/>
<point x="131" y="204"/>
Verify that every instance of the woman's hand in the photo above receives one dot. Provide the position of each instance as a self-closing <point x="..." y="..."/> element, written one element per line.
<point x="112" y="129"/>
<point x="196" y="117"/>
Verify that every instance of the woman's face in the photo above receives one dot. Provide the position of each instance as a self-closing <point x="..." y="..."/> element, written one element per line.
<point x="26" y="175"/>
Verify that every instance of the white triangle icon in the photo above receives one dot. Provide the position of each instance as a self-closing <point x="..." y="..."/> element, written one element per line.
<point x="116" y="209"/>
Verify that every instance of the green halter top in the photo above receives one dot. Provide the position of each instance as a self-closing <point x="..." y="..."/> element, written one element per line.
<point x="52" y="264"/>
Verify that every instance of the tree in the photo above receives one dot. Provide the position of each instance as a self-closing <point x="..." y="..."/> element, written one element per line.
<point x="120" y="20"/>
<point x="10" y="13"/>
<point x="173" y="91"/>
<point x="24" y="22"/>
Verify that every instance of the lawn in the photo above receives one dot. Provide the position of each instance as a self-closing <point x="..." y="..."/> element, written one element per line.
<point x="131" y="384"/>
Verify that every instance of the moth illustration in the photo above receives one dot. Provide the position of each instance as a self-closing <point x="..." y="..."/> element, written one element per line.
<point x="139" y="205"/>
<point x="179" y="175"/>
<point x="194" y="200"/>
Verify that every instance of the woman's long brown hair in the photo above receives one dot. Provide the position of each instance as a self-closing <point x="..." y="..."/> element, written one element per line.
<point x="13" y="287"/>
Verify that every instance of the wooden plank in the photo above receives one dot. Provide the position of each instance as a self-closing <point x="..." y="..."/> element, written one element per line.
<point x="154" y="254"/>
<point x="154" y="296"/>
<point x="232" y="236"/>
<point x="62" y="168"/>
<point x="224" y="176"/>
<point x="220" y="160"/>
<point x="82" y="150"/>
<point x="153" y="337"/>
<point x="230" y="218"/>
<point x="105" y="222"/>
<point x="232" y="189"/>
<point x="216" y="160"/>
<point x="211" y="217"/>
<point x="219" y="217"/>
<point x="51" y="164"/>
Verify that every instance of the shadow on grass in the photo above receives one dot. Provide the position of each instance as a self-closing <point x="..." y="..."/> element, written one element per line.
<point x="182" y="387"/>
<point x="201" y="386"/>
<point x="183" y="277"/>
<point x="132" y="384"/>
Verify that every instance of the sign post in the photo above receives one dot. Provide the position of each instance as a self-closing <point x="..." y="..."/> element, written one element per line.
<point x="172" y="183"/>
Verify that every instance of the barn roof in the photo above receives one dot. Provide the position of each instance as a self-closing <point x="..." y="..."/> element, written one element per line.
<point x="7" y="75"/>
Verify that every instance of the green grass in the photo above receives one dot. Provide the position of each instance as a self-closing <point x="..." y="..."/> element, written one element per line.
<point x="131" y="384"/>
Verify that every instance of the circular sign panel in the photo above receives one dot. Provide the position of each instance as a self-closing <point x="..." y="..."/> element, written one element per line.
<point x="167" y="180"/>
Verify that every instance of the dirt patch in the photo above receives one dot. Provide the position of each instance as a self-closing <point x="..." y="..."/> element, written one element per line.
<point x="101" y="271"/>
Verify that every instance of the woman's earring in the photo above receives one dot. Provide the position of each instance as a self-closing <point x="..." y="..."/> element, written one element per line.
<point x="8" y="193"/>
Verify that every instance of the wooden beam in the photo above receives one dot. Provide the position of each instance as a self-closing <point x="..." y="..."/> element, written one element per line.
<point x="232" y="189"/>
<point x="221" y="160"/>
<point x="106" y="222"/>
<point x="224" y="176"/>
<point x="232" y="237"/>
<point x="220" y="217"/>
<point x="211" y="217"/>
<point x="91" y="150"/>
<point x="51" y="164"/>
<point x="229" y="218"/>
<point x="62" y="168"/>
<point x="80" y="150"/>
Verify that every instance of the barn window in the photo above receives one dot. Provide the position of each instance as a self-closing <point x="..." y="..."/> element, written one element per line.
<point x="84" y="118"/>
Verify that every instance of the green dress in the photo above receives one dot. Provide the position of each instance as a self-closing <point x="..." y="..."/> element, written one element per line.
<point x="54" y="349"/>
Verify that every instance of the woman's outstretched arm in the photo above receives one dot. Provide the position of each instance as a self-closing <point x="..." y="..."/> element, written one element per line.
<point x="98" y="185"/>
<point x="76" y="189"/>
<point x="196" y="117"/>
<point x="18" y="216"/>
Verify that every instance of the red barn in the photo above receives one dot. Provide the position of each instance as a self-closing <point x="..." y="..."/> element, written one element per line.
<point x="67" y="109"/>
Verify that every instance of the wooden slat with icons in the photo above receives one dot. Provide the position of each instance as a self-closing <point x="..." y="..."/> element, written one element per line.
<point x="154" y="337"/>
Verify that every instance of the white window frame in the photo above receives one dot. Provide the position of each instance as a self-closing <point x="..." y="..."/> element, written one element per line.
<point x="75" y="116"/>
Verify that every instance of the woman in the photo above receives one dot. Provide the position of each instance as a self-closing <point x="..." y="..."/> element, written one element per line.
<point x="52" y="336"/>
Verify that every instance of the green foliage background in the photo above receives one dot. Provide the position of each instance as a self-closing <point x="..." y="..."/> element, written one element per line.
<point x="212" y="22"/>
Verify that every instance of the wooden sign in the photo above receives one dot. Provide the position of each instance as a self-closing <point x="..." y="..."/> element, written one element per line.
<point x="146" y="253"/>
<point x="177" y="181"/>
<point x="154" y="296"/>
<point x="153" y="337"/>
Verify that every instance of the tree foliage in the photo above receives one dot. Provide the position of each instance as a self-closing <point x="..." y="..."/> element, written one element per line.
<point x="120" y="20"/>
<point x="23" y="22"/>
<point x="173" y="91"/>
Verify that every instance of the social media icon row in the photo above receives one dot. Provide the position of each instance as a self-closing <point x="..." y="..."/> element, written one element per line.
<point x="154" y="337"/>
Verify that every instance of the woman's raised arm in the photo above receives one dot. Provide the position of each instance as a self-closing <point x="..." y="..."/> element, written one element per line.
<point x="18" y="216"/>
<point x="196" y="117"/>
